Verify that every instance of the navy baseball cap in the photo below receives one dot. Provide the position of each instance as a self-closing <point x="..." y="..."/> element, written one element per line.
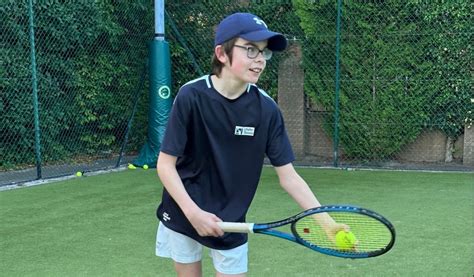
<point x="249" y="27"/>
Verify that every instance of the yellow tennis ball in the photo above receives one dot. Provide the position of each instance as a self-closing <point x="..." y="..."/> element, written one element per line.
<point x="79" y="174"/>
<point x="145" y="167"/>
<point x="345" y="240"/>
<point x="131" y="166"/>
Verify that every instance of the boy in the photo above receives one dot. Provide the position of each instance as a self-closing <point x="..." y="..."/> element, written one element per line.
<point x="220" y="127"/>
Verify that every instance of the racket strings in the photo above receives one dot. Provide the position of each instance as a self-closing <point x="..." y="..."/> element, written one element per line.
<point x="371" y="235"/>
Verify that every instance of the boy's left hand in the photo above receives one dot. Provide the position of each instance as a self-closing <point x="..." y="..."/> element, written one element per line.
<point x="334" y="228"/>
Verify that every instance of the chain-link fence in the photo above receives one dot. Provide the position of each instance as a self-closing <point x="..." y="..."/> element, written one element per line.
<point x="386" y="83"/>
<point x="70" y="74"/>
<point x="363" y="83"/>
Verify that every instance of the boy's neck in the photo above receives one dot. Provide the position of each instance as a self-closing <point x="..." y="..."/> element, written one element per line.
<point x="228" y="87"/>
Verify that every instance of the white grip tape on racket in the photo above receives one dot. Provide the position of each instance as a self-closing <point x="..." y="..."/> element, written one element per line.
<point x="236" y="227"/>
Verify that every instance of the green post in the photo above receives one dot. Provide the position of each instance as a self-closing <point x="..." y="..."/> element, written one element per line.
<point x="160" y="101"/>
<point x="336" y="102"/>
<point x="160" y="91"/>
<point x="35" y="90"/>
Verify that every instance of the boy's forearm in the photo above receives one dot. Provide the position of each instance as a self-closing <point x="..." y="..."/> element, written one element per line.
<point x="299" y="190"/>
<point x="296" y="187"/>
<point x="175" y="188"/>
<point x="172" y="182"/>
<point x="301" y="193"/>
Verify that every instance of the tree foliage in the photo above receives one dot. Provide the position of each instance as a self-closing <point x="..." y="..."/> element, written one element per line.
<point x="404" y="66"/>
<point x="389" y="63"/>
<point x="450" y="50"/>
<point x="89" y="57"/>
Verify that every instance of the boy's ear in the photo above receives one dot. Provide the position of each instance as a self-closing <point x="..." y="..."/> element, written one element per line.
<point x="220" y="54"/>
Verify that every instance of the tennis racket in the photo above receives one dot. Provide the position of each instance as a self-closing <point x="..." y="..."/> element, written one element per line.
<point x="374" y="234"/>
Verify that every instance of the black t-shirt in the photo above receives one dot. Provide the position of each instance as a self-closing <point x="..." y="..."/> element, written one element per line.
<point x="220" y="145"/>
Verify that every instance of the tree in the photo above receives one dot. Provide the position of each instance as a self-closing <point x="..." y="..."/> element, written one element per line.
<point x="450" y="51"/>
<point x="387" y="85"/>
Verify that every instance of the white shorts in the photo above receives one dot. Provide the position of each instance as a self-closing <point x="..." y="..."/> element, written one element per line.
<point x="182" y="249"/>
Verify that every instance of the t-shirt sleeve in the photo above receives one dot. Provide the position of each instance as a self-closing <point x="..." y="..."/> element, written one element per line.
<point x="176" y="134"/>
<point x="279" y="149"/>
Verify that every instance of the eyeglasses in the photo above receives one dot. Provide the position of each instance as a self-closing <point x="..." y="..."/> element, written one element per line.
<point x="252" y="52"/>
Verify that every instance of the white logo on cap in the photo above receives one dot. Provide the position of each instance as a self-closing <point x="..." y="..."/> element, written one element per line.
<point x="260" y="22"/>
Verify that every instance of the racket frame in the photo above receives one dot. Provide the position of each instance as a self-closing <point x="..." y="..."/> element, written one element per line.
<point x="267" y="229"/>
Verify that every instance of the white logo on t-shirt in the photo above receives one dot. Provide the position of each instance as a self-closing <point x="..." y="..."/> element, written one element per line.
<point x="244" y="131"/>
<point x="166" y="216"/>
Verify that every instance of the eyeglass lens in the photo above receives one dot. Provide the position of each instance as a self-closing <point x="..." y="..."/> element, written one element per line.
<point x="252" y="52"/>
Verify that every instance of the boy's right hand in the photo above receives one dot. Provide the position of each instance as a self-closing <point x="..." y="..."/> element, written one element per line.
<point x="205" y="223"/>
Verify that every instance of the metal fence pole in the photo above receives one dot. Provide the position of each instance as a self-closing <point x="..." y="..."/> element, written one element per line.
<point x="35" y="90"/>
<point x="159" y="19"/>
<point x="336" y="102"/>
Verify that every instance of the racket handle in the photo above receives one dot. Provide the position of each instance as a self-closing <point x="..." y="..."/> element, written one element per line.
<point x="236" y="227"/>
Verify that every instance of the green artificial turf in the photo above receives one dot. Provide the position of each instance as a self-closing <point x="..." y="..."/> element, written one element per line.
<point x="105" y="225"/>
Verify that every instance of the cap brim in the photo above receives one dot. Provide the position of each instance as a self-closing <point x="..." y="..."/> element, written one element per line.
<point x="276" y="41"/>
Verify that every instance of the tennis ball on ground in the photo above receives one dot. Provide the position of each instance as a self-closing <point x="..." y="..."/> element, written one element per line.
<point x="345" y="240"/>
<point x="145" y="167"/>
<point x="79" y="174"/>
<point x="131" y="166"/>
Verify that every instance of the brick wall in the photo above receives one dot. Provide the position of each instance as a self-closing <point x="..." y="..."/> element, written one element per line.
<point x="291" y="97"/>
<point x="468" y="146"/>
